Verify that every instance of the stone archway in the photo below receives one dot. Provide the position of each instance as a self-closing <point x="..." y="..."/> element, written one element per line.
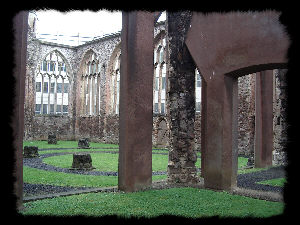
<point x="162" y="139"/>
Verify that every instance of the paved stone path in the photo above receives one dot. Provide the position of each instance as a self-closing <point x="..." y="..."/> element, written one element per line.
<point x="247" y="181"/>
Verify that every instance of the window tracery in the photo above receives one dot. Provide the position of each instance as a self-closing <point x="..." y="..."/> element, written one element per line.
<point x="52" y="86"/>
<point x="91" y="85"/>
<point x="115" y="84"/>
<point x="159" y="95"/>
<point x="197" y="91"/>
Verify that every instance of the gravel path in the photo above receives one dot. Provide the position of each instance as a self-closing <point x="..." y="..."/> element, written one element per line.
<point x="247" y="181"/>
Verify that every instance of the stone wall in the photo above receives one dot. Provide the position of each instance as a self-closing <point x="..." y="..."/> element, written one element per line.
<point x="105" y="127"/>
<point x="279" y="117"/>
<point x="111" y="129"/>
<point x="90" y="127"/>
<point x="42" y="125"/>
<point x="197" y="127"/>
<point x="161" y="131"/>
<point x="246" y="114"/>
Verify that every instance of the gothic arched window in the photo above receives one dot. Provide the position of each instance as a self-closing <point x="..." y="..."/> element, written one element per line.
<point x="91" y="85"/>
<point x="159" y="95"/>
<point x="52" y="84"/>
<point x="197" y="91"/>
<point x="115" y="84"/>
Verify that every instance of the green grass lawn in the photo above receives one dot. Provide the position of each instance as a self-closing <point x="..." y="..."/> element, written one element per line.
<point x="274" y="182"/>
<point x="187" y="202"/>
<point x="65" y="144"/>
<point x="102" y="162"/>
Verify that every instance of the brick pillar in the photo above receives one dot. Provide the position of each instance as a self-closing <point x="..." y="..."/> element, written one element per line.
<point x="181" y="104"/>
<point x="20" y="46"/>
<point x="263" y="119"/>
<point x="136" y="85"/>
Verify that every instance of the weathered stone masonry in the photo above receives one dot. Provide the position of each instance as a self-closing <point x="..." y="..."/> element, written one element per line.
<point x="181" y="91"/>
<point x="105" y="126"/>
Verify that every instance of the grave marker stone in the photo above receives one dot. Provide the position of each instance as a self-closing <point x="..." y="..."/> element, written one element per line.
<point x="82" y="161"/>
<point x="83" y="143"/>
<point x="30" y="152"/>
<point x="52" y="138"/>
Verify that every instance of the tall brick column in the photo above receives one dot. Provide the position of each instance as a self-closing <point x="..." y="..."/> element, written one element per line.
<point x="263" y="119"/>
<point x="20" y="49"/>
<point x="181" y="104"/>
<point x="136" y="86"/>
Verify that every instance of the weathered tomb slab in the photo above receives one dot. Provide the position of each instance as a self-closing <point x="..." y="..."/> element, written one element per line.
<point x="82" y="161"/>
<point x="52" y="138"/>
<point x="30" y="152"/>
<point x="83" y="143"/>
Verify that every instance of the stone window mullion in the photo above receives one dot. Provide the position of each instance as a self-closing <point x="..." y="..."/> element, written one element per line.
<point x="42" y="94"/>
<point x="97" y="95"/>
<point x="118" y="92"/>
<point x="97" y="89"/>
<point x="83" y="92"/>
<point x="62" y="96"/>
<point x="49" y="88"/>
<point x="88" y="94"/>
<point x="55" y="95"/>
<point x="159" y="88"/>
<point x="92" y="95"/>
<point x="154" y="80"/>
<point x="115" y="94"/>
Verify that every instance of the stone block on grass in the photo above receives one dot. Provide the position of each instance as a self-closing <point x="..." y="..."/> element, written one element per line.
<point x="30" y="152"/>
<point x="83" y="143"/>
<point x="82" y="161"/>
<point x="52" y="138"/>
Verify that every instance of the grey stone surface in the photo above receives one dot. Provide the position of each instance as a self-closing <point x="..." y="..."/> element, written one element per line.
<point x="105" y="127"/>
<point x="52" y="138"/>
<point x="30" y="152"/>
<point x="83" y="143"/>
<point x="82" y="161"/>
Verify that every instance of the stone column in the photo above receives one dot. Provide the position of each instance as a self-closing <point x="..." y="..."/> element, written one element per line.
<point x="20" y="24"/>
<point x="263" y="119"/>
<point x="98" y="94"/>
<point x="89" y="95"/>
<point x="280" y="117"/>
<point x="135" y="138"/>
<point x="55" y="95"/>
<point x="181" y="91"/>
<point x="84" y="95"/>
<point x="42" y="94"/>
<point x="203" y="125"/>
<point x="62" y="95"/>
<point x="49" y="92"/>
<point x="93" y="95"/>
